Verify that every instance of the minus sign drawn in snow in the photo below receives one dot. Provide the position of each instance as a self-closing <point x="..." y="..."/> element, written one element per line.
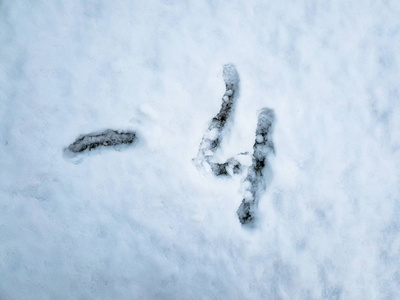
<point x="106" y="139"/>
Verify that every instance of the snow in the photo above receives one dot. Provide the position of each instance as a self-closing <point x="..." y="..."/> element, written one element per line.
<point x="229" y="92"/>
<point x="259" y="138"/>
<point x="213" y="134"/>
<point x="144" y="223"/>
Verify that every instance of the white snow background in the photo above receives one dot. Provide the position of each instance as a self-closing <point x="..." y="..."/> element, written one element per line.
<point x="144" y="223"/>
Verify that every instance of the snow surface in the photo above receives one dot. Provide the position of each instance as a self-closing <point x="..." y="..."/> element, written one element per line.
<point x="143" y="223"/>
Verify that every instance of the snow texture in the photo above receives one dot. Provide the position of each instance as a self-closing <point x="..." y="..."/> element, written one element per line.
<point x="255" y="183"/>
<point x="144" y="223"/>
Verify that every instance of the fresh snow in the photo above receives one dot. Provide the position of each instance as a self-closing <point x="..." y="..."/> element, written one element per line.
<point x="143" y="222"/>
